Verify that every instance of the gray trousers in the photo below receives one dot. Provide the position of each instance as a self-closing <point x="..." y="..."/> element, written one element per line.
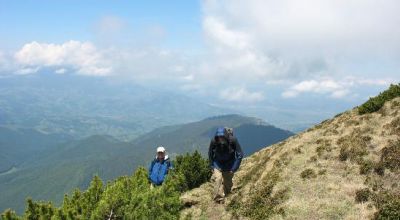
<point x="222" y="184"/>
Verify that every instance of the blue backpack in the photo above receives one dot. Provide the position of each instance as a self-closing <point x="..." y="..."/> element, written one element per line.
<point x="158" y="171"/>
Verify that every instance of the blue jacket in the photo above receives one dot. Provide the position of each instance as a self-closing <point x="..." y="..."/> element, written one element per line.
<point x="227" y="156"/>
<point x="158" y="170"/>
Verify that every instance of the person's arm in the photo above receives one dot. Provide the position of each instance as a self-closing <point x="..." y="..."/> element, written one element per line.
<point x="150" y="168"/>
<point x="211" y="153"/>
<point x="238" y="155"/>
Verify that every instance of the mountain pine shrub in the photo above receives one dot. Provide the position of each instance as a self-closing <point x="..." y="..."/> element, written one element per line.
<point x="375" y="103"/>
<point x="9" y="214"/>
<point x="194" y="167"/>
<point x="127" y="197"/>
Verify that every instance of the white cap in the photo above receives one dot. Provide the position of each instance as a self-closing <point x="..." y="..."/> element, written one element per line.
<point x="160" y="149"/>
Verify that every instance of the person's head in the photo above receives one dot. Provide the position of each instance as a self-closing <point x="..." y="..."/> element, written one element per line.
<point x="220" y="134"/>
<point x="160" y="153"/>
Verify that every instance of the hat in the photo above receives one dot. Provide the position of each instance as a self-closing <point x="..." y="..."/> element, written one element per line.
<point x="220" y="132"/>
<point x="160" y="149"/>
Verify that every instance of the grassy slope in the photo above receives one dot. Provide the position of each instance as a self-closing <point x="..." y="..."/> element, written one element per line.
<point x="272" y="176"/>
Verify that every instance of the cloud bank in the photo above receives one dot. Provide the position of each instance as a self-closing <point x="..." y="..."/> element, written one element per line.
<point x="327" y="48"/>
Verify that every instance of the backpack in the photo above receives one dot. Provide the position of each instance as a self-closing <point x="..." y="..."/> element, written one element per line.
<point x="229" y="131"/>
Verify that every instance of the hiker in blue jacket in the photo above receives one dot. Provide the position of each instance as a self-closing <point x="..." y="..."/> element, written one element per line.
<point x="225" y="156"/>
<point x="159" y="167"/>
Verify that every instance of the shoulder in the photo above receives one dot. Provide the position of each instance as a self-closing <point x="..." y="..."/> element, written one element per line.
<point x="212" y="141"/>
<point x="233" y="139"/>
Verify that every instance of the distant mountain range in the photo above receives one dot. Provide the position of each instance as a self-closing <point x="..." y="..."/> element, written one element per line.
<point x="61" y="164"/>
<point x="81" y="106"/>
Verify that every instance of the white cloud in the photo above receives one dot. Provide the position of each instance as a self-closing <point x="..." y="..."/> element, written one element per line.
<point x="327" y="86"/>
<point x="217" y="31"/>
<point x="292" y="39"/>
<point x="61" y="71"/>
<point x="241" y="95"/>
<point x="332" y="88"/>
<point x="84" y="57"/>
<point x="27" y="70"/>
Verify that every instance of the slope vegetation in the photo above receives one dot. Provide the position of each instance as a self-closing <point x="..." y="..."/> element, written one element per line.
<point x="344" y="168"/>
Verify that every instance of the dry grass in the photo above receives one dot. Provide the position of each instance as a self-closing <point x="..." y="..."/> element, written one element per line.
<point x="331" y="193"/>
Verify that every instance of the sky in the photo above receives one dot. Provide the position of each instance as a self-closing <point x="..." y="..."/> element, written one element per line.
<point x="323" y="56"/>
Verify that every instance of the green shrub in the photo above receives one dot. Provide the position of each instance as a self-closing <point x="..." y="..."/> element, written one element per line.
<point x="366" y="167"/>
<point x="124" y="198"/>
<point x="132" y="198"/>
<point x="322" y="172"/>
<point x="352" y="147"/>
<point x="262" y="204"/>
<point x="394" y="126"/>
<point x="390" y="157"/>
<point x="388" y="205"/>
<point x="9" y="214"/>
<point x="194" y="168"/>
<point x="322" y="149"/>
<point x="39" y="210"/>
<point x="363" y="195"/>
<point x="343" y="154"/>
<point x="389" y="211"/>
<point x="308" y="174"/>
<point x="375" y="103"/>
<point x="379" y="169"/>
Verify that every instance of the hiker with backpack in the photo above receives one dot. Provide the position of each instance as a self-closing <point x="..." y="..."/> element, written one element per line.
<point x="159" y="167"/>
<point x="225" y="156"/>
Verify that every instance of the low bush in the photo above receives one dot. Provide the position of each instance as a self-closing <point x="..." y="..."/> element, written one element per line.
<point x="375" y="103"/>
<point x="262" y="203"/>
<point x="366" y="167"/>
<point x="194" y="168"/>
<point x="362" y="195"/>
<point x="9" y="214"/>
<point x="390" y="157"/>
<point x="127" y="197"/>
<point x="352" y="147"/>
<point x="388" y="205"/>
<point x="379" y="169"/>
<point x="322" y="172"/>
<point x="308" y="174"/>
<point x="322" y="149"/>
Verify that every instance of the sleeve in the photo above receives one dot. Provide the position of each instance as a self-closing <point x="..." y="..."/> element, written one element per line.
<point x="211" y="153"/>
<point x="238" y="155"/>
<point x="150" y="168"/>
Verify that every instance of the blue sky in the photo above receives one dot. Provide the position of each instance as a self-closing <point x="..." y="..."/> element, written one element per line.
<point x="263" y="57"/>
<point x="60" y="21"/>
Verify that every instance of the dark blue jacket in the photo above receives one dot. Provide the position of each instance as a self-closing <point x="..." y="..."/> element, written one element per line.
<point x="225" y="156"/>
<point x="158" y="170"/>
